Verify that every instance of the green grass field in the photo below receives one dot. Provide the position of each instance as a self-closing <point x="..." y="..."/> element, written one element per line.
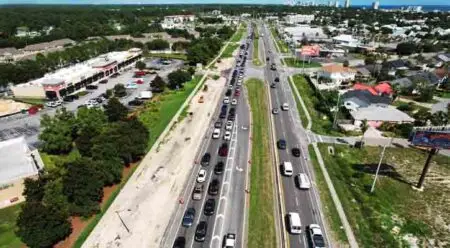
<point x="261" y="224"/>
<point x="8" y="238"/>
<point x="292" y="62"/>
<point x="321" y="124"/>
<point x="394" y="211"/>
<point x="239" y="34"/>
<point x="228" y="52"/>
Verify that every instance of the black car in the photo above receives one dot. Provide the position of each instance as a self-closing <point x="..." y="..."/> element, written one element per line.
<point x="104" y="81"/>
<point x="296" y="152"/>
<point x="273" y="86"/>
<point x="180" y="242"/>
<point x="267" y="59"/>
<point x="341" y="140"/>
<point x="135" y="102"/>
<point x="201" y="230"/>
<point x="277" y="79"/>
<point x="210" y="207"/>
<point x="218" y="124"/>
<point x="281" y="144"/>
<point x="68" y="99"/>
<point x="91" y="87"/>
<point x="228" y="93"/>
<point x="205" y="159"/>
<point x="223" y="150"/>
<point x="213" y="188"/>
<point x="219" y="168"/>
<point x="223" y="114"/>
<point x="188" y="217"/>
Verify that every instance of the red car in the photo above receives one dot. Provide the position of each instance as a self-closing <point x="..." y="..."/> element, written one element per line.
<point x="237" y="93"/>
<point x="223" y="150"/>
<point x="139" y="73"/>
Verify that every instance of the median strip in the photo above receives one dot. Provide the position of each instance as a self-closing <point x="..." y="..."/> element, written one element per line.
<point x="261" y="227"/>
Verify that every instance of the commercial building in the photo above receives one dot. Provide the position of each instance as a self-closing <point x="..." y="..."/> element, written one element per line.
<point x="346" y="40"/>
<point x="376" y="5"/>
<point x="294" y="19"/>
<point x="73" y="79"/>
<point x="177" y="21"/>
<point x="347" y="3"/>
<point x="17" y="162"/>
<point x="296" y="34"/>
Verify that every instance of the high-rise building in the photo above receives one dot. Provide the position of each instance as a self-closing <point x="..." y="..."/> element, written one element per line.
<point x="336" y="4"/>
<point x="330" y="3"/>
<point x="376" y="5"/>
<point x="347" y="3"/>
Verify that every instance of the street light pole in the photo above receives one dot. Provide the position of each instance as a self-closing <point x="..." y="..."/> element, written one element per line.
<point x="379" y="165"/>
<point x="337" y="110"/>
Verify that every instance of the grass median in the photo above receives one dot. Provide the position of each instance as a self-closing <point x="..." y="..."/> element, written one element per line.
<point x="394" y="215"/>
<point x="282" y="46"/>
<point x="239" y="34"/>
<point x="228" y="52"/>
<point x="261" y="226"/>
<point x="256" y="60"/>
<point x="292" y="62"/>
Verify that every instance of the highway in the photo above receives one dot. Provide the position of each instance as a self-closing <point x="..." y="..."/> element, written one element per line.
<point x="287" y="126"/>
<point x="229" y="214"/>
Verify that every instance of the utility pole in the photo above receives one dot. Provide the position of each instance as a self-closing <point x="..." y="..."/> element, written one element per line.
<point x="337" y="111"/>
<point x="426" y="168"/>
<point x="379" y="165"/>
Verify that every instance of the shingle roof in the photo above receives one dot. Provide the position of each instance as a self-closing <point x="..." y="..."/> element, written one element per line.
<point x="366" y="96"/>
<point x="402" y="82"/>
<point x="377" y="112"/>
<point x="429" y="77"/>
<point x="333" y="68"/>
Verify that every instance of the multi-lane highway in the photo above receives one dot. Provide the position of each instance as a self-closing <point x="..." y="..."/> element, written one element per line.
<point x="288" y="128"/>
<point x="229" y="203"/>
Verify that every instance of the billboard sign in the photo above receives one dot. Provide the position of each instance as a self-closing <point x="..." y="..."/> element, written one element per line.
<point x="434" y="137"/>
<point x="311" y="51"/>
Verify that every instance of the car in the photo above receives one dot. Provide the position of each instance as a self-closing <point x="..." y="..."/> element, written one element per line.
<point x="200" y="232"/>
<point x="223" y="114"/>
<point x="227" y="135"/>
<point x="315" y="233"/>
<point x="213" y="188"/>
<point x="218" y="124"/>
<point x="234" y="102"/>
<point x="341" y="140"/>
<point x="210" y="207"/>
<point x="131" y="86"/>
<point x="239" y="83"/>
<point x="277" y="79"/>
<point x="228" y="93"/>
<point x="229" y="240"/>
<point x="205" y="159"/>
<point x="273" y="86"/>
<point x="135" y="102"/>
<point x="285" y="107"/>
<point x="281" y="143"/>
<point x="230" y="86"/>
<point x="91" y="87"/>
<point x="198" y="192"/>
<point x="51" y="104"/>
<point x="267" y="59"/>
<point x="188" y="217"/>
<point x="104" y="81"/>
<point x="226" y="100"/>
<point x="218" y="169"/>
<point x="296" y="152"/>
<point x="275" y="111"/>
<point x="216" y="133"/>
<point x="201" y="177"/>
<point x="223" y="150"/>
<point x="69" y="98"/>
<point x="180" y="242"/>
<point x="237" y="93"/>
<point x="229" y="125"/>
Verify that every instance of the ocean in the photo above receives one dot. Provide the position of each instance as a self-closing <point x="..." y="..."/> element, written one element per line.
<point x="424" y="7"/>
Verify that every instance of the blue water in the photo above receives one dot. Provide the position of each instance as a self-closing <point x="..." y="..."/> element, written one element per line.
<point x="424" y="7"/>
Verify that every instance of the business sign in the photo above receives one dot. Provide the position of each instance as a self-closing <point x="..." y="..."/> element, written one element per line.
<point x="311" y="51"/>
<point x="431" y="137"/>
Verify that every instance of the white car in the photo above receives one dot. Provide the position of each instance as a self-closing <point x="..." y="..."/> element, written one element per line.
<point x="230" y="87"/>
<point x="51" y="104"/>
<point x="131" y="86"/>
<point x="234" y="102"/>
<point x="239" y="82"/>
<point x="227" y="135"/>
<point x="201" y="176"/>
<point x="230" y="240"/>
<point x="285" y="107"/>
<point x="226" y="100"/>
<point x="216" y="133"/>
<point x="316" y="236"/>
<point x="229" y="125"/>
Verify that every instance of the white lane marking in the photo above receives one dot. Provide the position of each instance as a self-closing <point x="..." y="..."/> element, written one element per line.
<point x="320" y="137"/>
<point x="296" y="201"/>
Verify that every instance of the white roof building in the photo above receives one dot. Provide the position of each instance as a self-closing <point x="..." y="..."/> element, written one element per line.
<point x="293" y="19"/>
<point x="346" y="40"/>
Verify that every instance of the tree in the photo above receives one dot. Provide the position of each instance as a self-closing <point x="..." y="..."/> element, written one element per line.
<point x="119" y="90"/>
<point x="58" y="132"/>
<point x="424" y="90"/>
<point x="440" y="118"/>
<point x="158" y="44"/>
<point x="83" y="186"/>
<point x="89" y="124"/>
<point x="364" y="126"/>
<point x="40" y="226"/>
<point x="178" y="78"/>
<point x="406" y="48"/>
<point x="54" y="197"/>
<point x="158" y="83"/>
<point x="115" y="110"/>
<point x="421" y="117"/>
<point x="140" y="65"/>
<point x="346" y="63"/>
<point x="34" y="188"/>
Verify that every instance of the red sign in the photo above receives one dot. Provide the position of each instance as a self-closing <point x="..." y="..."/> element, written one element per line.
<point x="310" y="50"/>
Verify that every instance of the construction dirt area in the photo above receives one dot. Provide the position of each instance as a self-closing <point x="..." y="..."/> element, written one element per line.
<point x="9" y="107"/>
<point x="141" y="212"/>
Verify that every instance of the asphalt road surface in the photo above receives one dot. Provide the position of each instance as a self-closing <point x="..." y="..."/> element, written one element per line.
<point x="287" y="127"/>
<point x="229" y="211"/>
<point x="29" y="125"/>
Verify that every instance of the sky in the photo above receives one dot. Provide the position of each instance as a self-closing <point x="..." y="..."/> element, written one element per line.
<point x="354" y="2"/>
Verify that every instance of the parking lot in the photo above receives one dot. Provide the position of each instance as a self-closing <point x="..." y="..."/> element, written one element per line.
<point x="29" y="125"/>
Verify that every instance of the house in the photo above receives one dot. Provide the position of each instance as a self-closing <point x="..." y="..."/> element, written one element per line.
<point x="216" y="12"/>
<point x="393" y="66"/>
<point x="336" y="75"/>
<point x="356" y="99"/>
<point x="362" y="73"/>
<point x="402" y="83"/>
<point x="377" y="114"/>
<point x="18" y="161"/>
<point x="428" y="77"/>
<point x="443" y="57"/>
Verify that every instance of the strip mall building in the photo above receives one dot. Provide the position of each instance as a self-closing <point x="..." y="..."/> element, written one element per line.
<point x="73" y="79"/>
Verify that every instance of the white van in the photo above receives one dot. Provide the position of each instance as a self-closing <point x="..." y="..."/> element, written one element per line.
<point x="287" y="169"/>
<point x="303" y="181"/>
<point x="216" y="133"/>
<point x="295" y="225"/>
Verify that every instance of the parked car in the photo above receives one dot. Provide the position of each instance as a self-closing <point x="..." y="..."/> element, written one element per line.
<point x="229" y="125"/>
<point x="201" y="177"/>
<point x="277" y="79"/>
<point x="188" y="217"/>
<point x="218" y="169"/>
<point x="226" y="100"/>
<point x="273" y="86"/>
<point x="223" y="150"/>
<point x="218" y="124"/>
<point x="180" y="242"/>
<point x="103" y="81"/>
<point x="205" y="159"/>
<point x="234" y="102"/>
<point x="91" y="87"/>
<point x="198" y="192"/>
<point x="213" y="188"/>
<point x="281" y="144"/>
<point x="135" y="102"/>
<point x="210" y="207"/>
<point x="200" y="232"/>
<point x="227" y="135"/>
